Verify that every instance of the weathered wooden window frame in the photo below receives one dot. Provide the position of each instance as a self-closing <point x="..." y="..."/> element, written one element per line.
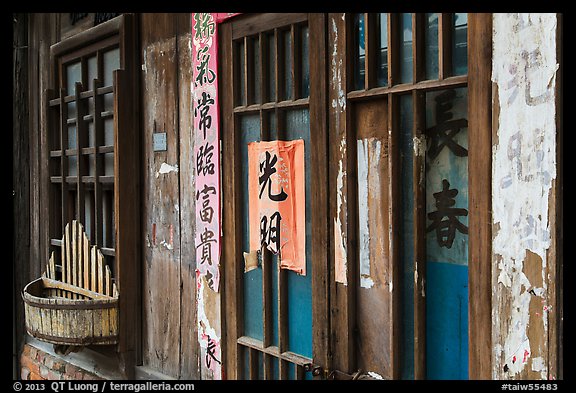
<point x="479" y="87"/>
<point x="338" y="353"/>
<point x="119" y="32"/>
<point x="245" y="26"/>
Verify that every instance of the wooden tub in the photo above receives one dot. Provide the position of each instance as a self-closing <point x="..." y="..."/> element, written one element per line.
<point x="75" y="302"/>
<point x="90" y="318"/>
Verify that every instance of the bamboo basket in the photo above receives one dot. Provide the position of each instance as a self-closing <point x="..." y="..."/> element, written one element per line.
<point x="76" y="302"/>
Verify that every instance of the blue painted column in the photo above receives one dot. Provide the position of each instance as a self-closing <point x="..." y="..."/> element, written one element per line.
<point x="447" y="234"/>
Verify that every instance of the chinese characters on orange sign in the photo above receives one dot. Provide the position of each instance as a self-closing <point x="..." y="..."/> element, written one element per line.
<point x="277" y="201"/>
<point x="206" y="147"/>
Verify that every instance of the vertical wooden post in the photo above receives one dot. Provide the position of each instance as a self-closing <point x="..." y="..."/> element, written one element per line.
<point x="479" y="188"/>
<point x="419" y="187"/>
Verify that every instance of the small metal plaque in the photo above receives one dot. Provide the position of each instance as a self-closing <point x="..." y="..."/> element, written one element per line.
<point x="159" y="141"/>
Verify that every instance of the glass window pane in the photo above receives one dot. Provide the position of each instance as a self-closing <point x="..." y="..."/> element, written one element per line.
<point x="287" y="44"/>
<point x="72" y="165"/>
<point x="109" y="131"/>
<point x="305" y="74"/>
<point x="108" y="164"/>
<point x="257" y="80"/>
<point x="431" y="44"/>
<point x="108" y="102"/>
<point x="108" y="218"/>
<point x="73" y="75"/>
<point x="382" y="45"/>
<point x="88" y="206"/>
<point x="239" y="74"/>
<point x="71" y="107"/>
<point x="250" y="132"/>
<point x="460" y="44"/>
<point x="92" y="70"/>
<point x="72" y="142"/>
<point x="407" y="234"/>
<point x="271" y="68"/>
<point x="359" y="51"/>
<point x="111" y="63"/>
<point x="406" y="48"/>
<point x="90" y="142"/>
<point x="271" y="123"/>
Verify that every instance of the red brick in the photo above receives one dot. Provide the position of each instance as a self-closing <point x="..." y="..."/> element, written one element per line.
<point x="54" y="376"/>
<point x="35" y="377"/>
<point x="70" y="369"/>
<point x="33" y="353"/>
<point x="30" y="364"/>
<point x="49" y="362"/>
<point x="44" y="371"/>
<point x="40" y="356"/>
<point x="24" y="373"/>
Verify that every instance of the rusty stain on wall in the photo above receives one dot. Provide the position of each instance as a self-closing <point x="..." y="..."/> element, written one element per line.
<point x="524" y="167"/>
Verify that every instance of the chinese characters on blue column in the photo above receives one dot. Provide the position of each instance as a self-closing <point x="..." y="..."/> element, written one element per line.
<point x="445" y="220"/>
<point x="206" y="148"/>
<point x="443" y="133"/>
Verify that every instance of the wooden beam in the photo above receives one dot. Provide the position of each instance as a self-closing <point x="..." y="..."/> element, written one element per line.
<point x="480" y="194"/>
<point x="319" y="189"/>
<point x="419" y="214"/>
<point x="231" y="219"/>
<point x="445" y="45"/>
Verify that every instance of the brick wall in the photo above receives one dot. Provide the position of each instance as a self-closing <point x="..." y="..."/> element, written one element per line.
<point x="36" y="364"/>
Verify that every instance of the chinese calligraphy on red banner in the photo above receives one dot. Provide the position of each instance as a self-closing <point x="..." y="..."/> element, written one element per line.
<point x="277" y="201"/>
<point x="206" y="147"/>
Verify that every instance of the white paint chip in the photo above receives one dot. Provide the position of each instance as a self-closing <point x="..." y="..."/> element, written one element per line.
<point x="538" y="364"/>
<point x="375" y="375"/>
<point x="166" y="244"/>
<point x="166" y="168"/>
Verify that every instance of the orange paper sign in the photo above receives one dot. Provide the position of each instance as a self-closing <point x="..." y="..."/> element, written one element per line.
<point x="277" y="201"/>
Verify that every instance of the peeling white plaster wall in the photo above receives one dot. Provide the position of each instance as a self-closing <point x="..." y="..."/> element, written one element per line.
<point x="341" y="219"/>
<point x="369" y="153"/>
<point x="206" y="331"/>
<point x="523" y="167"/>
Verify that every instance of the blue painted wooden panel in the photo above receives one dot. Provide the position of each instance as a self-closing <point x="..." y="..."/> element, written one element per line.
<point x="299" y="313"/>
<point x="447" y="321"/>
<point x="300" y="287"/>
<point x="253" y="326"/>
<point x="447" y="257"/>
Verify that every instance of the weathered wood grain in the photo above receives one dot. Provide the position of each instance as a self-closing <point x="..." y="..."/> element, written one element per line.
<point x="161" y="275"/>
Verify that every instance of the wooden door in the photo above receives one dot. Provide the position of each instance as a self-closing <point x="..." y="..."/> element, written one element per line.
<point x="273" y="78"/>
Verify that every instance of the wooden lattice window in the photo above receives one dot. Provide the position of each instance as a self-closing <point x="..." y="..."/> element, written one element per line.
<point x="93" y="143"/>
<point x="82" y="152"/>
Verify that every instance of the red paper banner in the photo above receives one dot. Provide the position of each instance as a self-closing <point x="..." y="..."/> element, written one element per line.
<point x="277" y="201"/>
<point x="206" y="146"/>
